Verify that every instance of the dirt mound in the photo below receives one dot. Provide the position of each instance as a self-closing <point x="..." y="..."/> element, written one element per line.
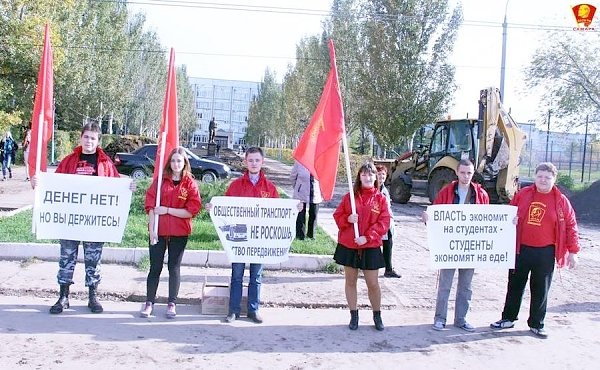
<point x="586" y="204"/>
<point x="232" y="159"/>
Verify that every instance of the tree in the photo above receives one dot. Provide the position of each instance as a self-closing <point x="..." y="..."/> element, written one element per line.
<point x="186" y="105"/>
<point x="568" y="69"/>
<point x="405" y="76"/>
<point x="264" y="126"/>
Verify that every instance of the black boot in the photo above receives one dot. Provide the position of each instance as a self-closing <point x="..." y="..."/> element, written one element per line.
<point x="377" y="320"/>
<point x="353" y="320"/>
<point x="93" y="302"/>
<point x="63" y="301"/>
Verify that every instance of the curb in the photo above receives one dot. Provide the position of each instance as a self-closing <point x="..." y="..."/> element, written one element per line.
<point x="199" y="258"/>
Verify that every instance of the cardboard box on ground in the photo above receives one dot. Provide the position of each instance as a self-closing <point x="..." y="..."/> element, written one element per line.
<point x="215" y="298"/>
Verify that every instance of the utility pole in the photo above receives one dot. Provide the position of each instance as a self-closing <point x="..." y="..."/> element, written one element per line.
<point x="548" y="135"/>
<point x="503" y="61"/>
<point x="584" y="147"/>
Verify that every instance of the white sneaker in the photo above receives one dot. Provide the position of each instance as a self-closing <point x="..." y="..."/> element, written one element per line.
<point x="146" y="309"/>
<point x="171" y="311"/>
<point x="438" y="325"/>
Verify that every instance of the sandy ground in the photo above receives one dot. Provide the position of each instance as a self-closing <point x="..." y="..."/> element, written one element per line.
<point x="318" y="338"/>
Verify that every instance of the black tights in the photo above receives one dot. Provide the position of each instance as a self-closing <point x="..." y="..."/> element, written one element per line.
<point x="175" y="245"/>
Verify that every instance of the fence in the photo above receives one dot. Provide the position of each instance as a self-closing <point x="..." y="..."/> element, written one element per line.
<point x="569" y="161"/>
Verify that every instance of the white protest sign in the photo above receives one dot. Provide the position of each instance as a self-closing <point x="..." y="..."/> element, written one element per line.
<point x="471" y="236"/>
<point x="87" y="208"/>
<point x="255" y="230"/>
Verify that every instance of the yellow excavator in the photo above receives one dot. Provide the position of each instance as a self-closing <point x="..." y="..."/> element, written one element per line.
<point x="493" y="142"/>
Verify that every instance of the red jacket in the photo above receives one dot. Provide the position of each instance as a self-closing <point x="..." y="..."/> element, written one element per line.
<point x="567" y="233"/>
<point x="373" y="219"/>
<point x="243" y="187"/>
<point x="185" y="195"/>
<point x="449" y="194"/>
<point x="105" y="166"/>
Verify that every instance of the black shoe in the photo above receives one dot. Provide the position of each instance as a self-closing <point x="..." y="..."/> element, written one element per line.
<point x="391" y="274"/>
<point x="93" y="303"/>
<point x="231" y="317"/>
<point x="255" y="317"/>
<point x="63" y="301"/>
<point x="377" y="320"/>
<point x="353" y="320"/>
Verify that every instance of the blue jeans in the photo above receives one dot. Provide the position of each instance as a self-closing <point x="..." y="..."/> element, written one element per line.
<point x="235" y="291"/>
<point x="463" y="295"/>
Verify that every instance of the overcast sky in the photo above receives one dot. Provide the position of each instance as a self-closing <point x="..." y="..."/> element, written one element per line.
<point x="238" y="41"/>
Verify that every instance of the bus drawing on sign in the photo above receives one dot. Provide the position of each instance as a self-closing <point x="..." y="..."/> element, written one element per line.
<point x="235" y="232"/>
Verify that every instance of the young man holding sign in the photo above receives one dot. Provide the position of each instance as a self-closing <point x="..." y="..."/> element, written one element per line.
<point x="461" y="191"/>
<point x="90" y="160"/>
<point x="253" y="183"/>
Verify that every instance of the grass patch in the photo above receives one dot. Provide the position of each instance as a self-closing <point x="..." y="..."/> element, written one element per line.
<point x="17" y="228"/>
<point x="143" y="264"/>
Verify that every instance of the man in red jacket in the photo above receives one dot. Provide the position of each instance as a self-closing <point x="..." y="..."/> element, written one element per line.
<point x="461" y="191"/>
<point x="90" y="160"/>
<point x="546" y="231"/>
<point x="252" y="184"/>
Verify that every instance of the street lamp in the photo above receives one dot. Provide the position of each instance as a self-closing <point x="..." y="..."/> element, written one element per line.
<point x="503" y="61"/>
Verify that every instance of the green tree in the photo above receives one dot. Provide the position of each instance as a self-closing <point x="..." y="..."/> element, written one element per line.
<point x="405" y="77"/>
<point x="186" y="106"/>
<point x="265" y="113"/>
<point x="567" y="69"/>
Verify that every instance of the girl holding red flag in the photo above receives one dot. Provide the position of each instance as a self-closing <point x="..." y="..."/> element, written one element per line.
<point x="180" y="202"/>
<point x="362" y="252"/>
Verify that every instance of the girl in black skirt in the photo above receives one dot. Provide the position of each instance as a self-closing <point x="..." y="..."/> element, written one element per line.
<point x="362" y="250"/>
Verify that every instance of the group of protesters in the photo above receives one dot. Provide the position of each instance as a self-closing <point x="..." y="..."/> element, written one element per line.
<point x="546" y="232"/>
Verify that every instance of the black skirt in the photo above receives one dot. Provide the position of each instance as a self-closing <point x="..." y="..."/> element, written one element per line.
<point x="364" y="259"/>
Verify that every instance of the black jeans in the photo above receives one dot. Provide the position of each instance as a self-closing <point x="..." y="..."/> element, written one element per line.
<point x="301" y="229"/>
<point x="387" y="251"/>
<point x="175" y="245"/>
<point x="540" y="262"/>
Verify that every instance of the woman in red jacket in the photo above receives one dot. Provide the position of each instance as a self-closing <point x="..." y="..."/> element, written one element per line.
<point x="179" y="203"/>
<point x="362" y="252"/>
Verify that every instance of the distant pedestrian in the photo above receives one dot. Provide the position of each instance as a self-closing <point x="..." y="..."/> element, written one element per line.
<point x="388" y="238"/>
<point x="307" y="190"/>
<point x="179" y="202"/>
<point x="362" y="252"/>
<point x="26" y="142"/>
<point x="90" y="160"/>
<point x="461" y="191"/>
<point x="546" y="232"/>
<point x="9" y="147"/>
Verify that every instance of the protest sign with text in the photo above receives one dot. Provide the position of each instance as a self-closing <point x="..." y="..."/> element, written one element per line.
<point x="255" y="230"/>
<point x="75" y="207"/>
<point x="471" y="236"/>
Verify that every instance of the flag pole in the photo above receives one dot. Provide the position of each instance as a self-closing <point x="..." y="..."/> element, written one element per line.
<point x="40" y="130"/>
<point x="344" y="140"/>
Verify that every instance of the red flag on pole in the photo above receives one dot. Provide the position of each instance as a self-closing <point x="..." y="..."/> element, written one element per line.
<point x="168" y="137"/>
<point x="319" y="148"/>
<point x="42" y="120"/>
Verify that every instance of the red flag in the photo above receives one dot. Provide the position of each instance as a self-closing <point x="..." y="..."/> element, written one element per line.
<point x="319" y="147"/>
<point x="168" y="135"/>
<point x="42" y="122"/>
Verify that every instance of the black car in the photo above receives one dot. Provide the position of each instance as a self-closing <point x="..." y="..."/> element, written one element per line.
<point x="140" y="164"/>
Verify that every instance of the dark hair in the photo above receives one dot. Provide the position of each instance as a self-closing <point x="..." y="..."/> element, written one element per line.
<point x="187" y="168"/>
<point x="93" y="127"/>
<point x="367" y="167"/>
<point x="464" y="162"/>
<point x="381" y="167"/>
<point x="254" y="149"/>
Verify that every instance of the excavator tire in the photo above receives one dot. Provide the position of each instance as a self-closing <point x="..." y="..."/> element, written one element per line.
<point x="399" y="191"/>
<point x="438" y="179"/>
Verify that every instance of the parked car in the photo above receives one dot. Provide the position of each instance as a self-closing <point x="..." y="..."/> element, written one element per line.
<point x="140" y="164"/>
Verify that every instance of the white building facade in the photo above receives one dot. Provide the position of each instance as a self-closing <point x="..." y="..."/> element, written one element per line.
<point x="228" y="101"/>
